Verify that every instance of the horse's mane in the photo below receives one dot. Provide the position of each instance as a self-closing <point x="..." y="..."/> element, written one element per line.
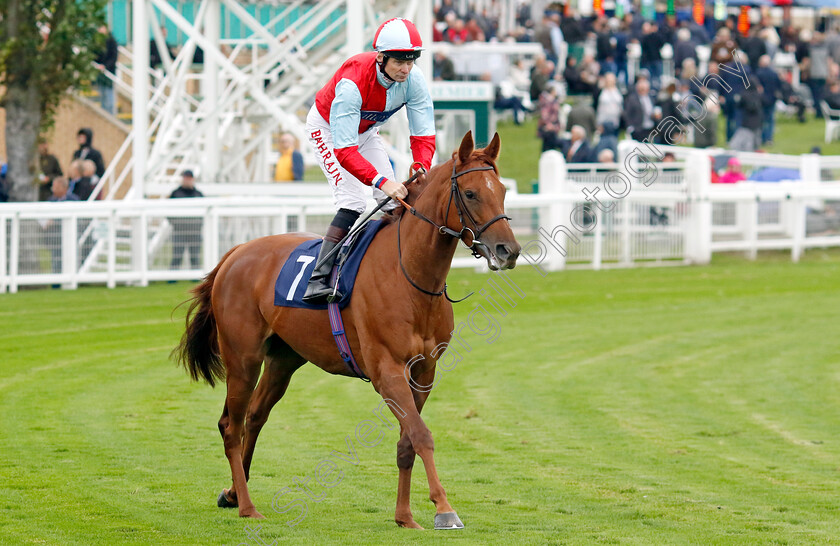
<point x="416" y="188"/>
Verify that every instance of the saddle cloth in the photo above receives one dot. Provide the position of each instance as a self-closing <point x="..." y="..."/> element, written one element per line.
<point x="294" y="276"/>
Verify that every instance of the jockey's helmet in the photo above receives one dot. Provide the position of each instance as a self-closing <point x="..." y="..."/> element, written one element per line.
<point x="398" y="38"/>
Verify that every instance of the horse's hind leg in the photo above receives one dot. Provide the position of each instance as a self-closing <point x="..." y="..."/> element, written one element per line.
<point x="280" y="363"/>
<point x="243" y="368"/>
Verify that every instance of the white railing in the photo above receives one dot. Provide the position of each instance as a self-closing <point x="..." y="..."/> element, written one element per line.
<point x="679" y="218"/>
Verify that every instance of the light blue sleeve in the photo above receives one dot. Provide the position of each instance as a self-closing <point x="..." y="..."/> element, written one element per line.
<point x="346" y="114"/>
<point x="421" y="110"/>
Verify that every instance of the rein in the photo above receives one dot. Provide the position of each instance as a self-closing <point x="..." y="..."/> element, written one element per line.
<point x="461" y="207"/>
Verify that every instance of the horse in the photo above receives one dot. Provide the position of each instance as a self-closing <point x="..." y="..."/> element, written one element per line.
<point x="396" y="312"/>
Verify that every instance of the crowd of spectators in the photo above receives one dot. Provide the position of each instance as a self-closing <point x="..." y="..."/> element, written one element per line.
<point x="585" y="63"/>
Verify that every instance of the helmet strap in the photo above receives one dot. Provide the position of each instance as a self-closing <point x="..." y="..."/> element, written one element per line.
<point x="382" y="69"/>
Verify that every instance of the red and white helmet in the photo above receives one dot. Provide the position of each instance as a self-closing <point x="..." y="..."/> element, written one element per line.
<point x="398" y="38"/>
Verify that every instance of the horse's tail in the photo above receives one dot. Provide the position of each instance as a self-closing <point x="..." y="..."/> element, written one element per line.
<point x="198" y="351"/>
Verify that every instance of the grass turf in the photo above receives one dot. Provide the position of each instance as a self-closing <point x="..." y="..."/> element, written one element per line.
<point x="680" y="405"/>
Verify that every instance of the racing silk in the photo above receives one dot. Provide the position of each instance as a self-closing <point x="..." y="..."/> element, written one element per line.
<point x="358" y="97"/>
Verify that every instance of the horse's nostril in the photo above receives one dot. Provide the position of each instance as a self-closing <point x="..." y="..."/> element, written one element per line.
<point x="502" y="252"/>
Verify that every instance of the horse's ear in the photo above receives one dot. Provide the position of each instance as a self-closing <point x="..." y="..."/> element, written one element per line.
<point x="467" y="147"/>
<point x="492" y="149"/>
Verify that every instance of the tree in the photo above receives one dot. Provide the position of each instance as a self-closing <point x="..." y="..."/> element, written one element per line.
<point x="46" y="48"/>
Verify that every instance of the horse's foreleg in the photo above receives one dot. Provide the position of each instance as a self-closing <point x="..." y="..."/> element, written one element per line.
<point x="405" y="462"/>
<point x="394" y="387"/>
<point x="271" y="388"/>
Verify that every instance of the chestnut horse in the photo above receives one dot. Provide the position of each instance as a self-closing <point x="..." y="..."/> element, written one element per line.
<point x="396" y="313"/>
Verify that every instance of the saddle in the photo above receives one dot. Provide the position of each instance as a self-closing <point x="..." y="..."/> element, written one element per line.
<point x="294" y="275"/>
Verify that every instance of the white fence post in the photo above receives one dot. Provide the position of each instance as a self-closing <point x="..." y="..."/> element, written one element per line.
<point x="14" y="254"/>
<point x="553" y="177"/>
<point x="211" y="246"/>
<point x="750" y="222"/>
<point x="112" y="249"/>
<point x="69" y="241"/>
<point x="799" y="227"/>
<point x="143" y="265"/>
<point x="698" y="236"/>
<point x="3" y="270"/>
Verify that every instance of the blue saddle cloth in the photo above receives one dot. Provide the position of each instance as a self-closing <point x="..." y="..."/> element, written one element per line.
<point x="294" y="276"/>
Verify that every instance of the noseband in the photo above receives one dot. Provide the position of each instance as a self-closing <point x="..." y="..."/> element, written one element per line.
<point x="461" y="207"/>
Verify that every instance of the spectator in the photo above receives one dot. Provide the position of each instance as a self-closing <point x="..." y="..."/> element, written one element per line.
<point x="520" y="77"/>
<point x="639" y="114"/>
<point x="446" y="7"/>
<point x="771" y="85"/>
<point x="733" y="172"/>
<point x="706" y="134"/>
<point x="589" y="72"/>
<point x="443" y="69"/>
<point x="605" y="45"/>
<point x="576" y="149"/>
<point x="621" y="38"/>
<point x="793" y="98"/>
<point x="4" y="193"/>
<point x="52" y="229"/>
<point x="50" y="168"/>
<point x="541" y="74"/>
<point x="754" y="47"/>
<point x="610" y="102"/>
<point x="457" y="33"/>
<point x="582" y="114"/>
<point x="684" y="49"/>
<point x="832" y="98"/>
<point x="651" y="43"/>
<point x="155" y="58"/>
<point x="573" y="32"/>
<point x="735" y="80"/>
<point x="506" y="98"/>
<point x="474" y="31"/>
<point x="751" y="106"/>
<point x="186" y="232"/>
<point x="86" y="150"/>
<point x="606" y="156"/>
<point x="106" y="61"/>
<point x="61" y="190"/>
<point x="574" y="82"/>
<point x="548" y="127"/>
<point x="85" y="185"/>
<point x="607" y="141"/>
<point x="817" y="64"/>
<point x="770" y="38"/>
<point x="723" y="46"/>
<point x="290" y="163"/>
<point x="74" y="174"/>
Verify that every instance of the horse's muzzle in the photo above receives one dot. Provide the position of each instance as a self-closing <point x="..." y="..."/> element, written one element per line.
<point x="506" y="254"/>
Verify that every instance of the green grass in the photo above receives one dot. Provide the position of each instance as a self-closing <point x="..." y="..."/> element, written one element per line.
<point x="521" y="148"/>
<point x="683" y="405"/>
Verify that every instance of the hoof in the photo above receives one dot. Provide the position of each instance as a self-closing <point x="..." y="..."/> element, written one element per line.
<point x="224" y="502"/>
<point x="409" y="524"/>
<point x="448" y="520"/>
<point x="252" y="513"/>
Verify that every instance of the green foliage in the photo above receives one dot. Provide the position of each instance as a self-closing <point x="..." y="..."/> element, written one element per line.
<point x="674" y="405"/>
<point x="49" y="45"/>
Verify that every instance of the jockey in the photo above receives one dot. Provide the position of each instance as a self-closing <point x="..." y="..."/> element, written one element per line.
<point x="343" y="127"/>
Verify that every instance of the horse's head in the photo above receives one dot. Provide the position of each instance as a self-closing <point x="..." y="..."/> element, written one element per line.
<point x="475" y="205"/>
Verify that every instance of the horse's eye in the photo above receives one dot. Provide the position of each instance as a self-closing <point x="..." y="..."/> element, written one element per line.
<point x="469" y="194"/>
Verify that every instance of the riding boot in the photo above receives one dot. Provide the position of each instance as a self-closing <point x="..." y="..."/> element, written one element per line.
<point x="319" y="291"/>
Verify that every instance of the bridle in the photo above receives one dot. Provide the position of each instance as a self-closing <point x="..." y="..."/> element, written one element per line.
<point x="475" y="232"/>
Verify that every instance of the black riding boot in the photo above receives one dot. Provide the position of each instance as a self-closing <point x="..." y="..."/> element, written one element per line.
<point x="319" y="288"/>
